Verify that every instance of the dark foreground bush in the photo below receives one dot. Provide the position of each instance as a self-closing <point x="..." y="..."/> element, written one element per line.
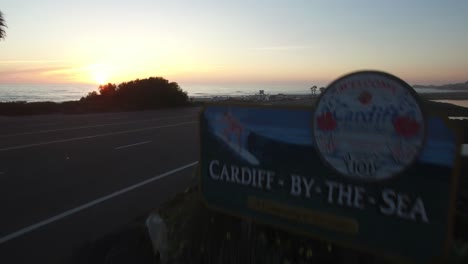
<point x="150" y="93"/>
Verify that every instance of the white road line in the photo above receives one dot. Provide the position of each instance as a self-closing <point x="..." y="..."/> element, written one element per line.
<point x="132" y="145"/>
<point x="75" y="210"/>
<point x="84" y="127"/>
<point x="92" y="136"/>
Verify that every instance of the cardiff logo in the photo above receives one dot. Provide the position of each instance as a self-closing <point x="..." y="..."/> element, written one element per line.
<point x="369" y="125"/>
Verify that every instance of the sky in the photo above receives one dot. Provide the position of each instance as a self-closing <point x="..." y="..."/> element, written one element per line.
<point x="261" y="41"/>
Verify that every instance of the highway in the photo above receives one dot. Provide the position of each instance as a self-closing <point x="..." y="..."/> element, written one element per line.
<point x="66" y="180"/>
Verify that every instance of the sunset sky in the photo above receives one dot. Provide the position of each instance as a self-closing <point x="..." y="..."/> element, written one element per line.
<point x="60" y="41"/>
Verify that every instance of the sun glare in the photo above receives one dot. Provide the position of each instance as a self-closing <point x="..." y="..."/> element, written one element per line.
<point x="100" y="78"/>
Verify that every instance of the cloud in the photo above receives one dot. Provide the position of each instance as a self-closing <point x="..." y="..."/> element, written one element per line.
<point x="281" y="48"/>
<point x="25" y="72"/>
<point x="30" y="61"/>
<point x="56" y="73"/>
<point x="37" y="70"/>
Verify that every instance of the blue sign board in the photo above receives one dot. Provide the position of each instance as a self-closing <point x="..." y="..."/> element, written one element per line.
<point x="309" y="170"/>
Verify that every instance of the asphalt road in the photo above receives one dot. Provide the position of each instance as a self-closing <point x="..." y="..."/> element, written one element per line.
<point x="66" y="180"/>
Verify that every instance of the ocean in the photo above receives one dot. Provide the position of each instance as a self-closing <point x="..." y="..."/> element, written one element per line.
<point x="72" y="92"/>
<point x="42" y="92"/>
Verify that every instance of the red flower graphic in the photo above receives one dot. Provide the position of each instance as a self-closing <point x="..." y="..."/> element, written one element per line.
<point x="365" y="97"/>
<point x="406" y="126"/>
<point x="326" y="122"/>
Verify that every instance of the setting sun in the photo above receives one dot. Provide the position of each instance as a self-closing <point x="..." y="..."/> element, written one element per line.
<point x="100" y="78"/>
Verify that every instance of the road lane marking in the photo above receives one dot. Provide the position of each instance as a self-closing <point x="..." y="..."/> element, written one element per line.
<point x="132" y="145"/>
<point x="75" y="210"/>
<point x="92" y="136"/>
<point x="84" y="127"/>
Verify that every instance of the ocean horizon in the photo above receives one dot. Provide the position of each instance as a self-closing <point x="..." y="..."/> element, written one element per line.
<point x="73" y="92"/>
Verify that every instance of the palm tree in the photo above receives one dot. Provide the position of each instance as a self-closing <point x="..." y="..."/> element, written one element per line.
<point x="313" y="89"/>
<point x="2" y="26"/>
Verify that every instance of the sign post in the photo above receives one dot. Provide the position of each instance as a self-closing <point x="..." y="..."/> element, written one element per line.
<point x="364" y="168"/>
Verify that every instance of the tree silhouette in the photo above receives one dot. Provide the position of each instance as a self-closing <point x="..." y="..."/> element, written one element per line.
<point x="322" y="89"/>
<point x="139" y="94"/>
<point x="91" y="96"/>
<point x="313" y="89"/>
<point x="107" y="89"/>
<point x="2" y="26"/>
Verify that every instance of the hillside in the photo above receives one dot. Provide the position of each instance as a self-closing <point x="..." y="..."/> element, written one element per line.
<point x="454" y="86"/>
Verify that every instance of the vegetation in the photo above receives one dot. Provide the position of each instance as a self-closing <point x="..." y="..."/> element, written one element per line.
<point x="313" y="89"/>
<point x="2" y="26"/>
<point x="144" y="94"/>
<point x="199" y="235"/>
<point x="150" y="93"/>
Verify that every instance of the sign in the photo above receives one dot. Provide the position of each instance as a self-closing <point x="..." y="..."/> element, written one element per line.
<point x="369" y="125"/>
<point x="290" y="167"/>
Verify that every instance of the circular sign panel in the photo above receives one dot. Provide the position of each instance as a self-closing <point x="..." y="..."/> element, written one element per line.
<point x="369" y="125"/>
